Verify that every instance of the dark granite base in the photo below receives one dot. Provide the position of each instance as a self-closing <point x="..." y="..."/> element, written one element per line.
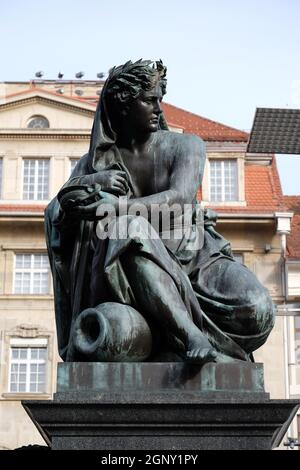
<point x="217" y="406"/>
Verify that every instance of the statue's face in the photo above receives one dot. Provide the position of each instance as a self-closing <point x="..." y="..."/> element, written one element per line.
<point x="143" y="113"/>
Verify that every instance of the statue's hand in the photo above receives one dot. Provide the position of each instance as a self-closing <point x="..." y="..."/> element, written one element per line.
<point x="89" y="212"/>
<point x="112" y="181"/>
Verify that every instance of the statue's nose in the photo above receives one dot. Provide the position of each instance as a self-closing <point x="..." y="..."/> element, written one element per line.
<point x="157" y="108"/>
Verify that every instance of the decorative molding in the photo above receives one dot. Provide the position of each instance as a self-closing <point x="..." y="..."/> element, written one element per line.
<point x="28" y="332"/>
<point x="215" y="146"/>
<point x="24" y="248"/>
<point x="244" y="215"/>
<point x="7" y="216"/>
<point x="224" y="203"/>
<point x="240" y="248"/>
<point x="50" y="102"/>
<point x="18" y="396"/>
<point x="263" y="159"/>
<point x="25" y="302"/>
<point x="225" y="154"/>
<point x="25" y="135"/>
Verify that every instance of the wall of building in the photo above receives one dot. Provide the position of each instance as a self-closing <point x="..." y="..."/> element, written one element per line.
<point x="10" y="119"/>
<point x="58" y="151"/>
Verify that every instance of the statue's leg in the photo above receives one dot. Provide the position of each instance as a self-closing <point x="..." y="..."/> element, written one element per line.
<point x="158" y="297"/>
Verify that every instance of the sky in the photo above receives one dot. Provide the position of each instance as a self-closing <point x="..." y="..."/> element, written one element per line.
<point x="225" y="58"/>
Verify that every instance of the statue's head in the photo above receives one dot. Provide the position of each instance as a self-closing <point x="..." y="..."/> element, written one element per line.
<point x="127" y="85"/>
<point x="126" y="100"/>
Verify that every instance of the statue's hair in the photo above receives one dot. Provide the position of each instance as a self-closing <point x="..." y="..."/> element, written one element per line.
<point x="126" y="82"/>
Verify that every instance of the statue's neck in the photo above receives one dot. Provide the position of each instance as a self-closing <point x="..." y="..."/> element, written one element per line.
<point x="134" y="143"/>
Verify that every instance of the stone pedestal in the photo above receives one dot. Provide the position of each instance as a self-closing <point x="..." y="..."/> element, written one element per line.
<point x="161" y="406"/>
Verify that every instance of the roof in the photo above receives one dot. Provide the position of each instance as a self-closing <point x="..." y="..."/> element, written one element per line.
<point x="275" y="130"/>
<point x="293" y="240"/>
<point x="263" y="188"/>
<point x="263" y="193"/>
<point x="205" y="128"/>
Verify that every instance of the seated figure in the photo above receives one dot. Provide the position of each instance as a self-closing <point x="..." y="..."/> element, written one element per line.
<point x="180" y="298"/>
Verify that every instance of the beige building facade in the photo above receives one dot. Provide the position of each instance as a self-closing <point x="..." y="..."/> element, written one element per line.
<point x="42" y="135"/>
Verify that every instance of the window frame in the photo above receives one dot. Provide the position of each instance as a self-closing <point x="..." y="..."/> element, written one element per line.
<point x="29" y="336"/>
<point x="36" y="179"/>
<point x="297" y="340"/>
<point x="35" y="117"/>
<point x="1" y="176"/>
<point x="71" y="160"/>
<point x="32" y="270"/>
<point x="28" y="361"/>
<point x="223" y="199"/>
<point x="217" y="154"/>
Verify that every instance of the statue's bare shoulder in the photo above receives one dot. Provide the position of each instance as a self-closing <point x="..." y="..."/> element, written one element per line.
<point x="181" y="144"/>
<point x="183" y="151"/>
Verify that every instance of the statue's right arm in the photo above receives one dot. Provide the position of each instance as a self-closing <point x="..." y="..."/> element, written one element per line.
<point x="184" y="176"/>
<point x="113" y="181"/>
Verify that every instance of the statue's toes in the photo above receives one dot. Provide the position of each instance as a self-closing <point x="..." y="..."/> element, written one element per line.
<point x="201" y="355"/>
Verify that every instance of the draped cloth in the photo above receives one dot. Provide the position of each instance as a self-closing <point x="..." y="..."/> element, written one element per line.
<point x="223" y="298"/>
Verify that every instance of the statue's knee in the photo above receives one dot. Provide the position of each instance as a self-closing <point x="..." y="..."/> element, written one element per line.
<point x="265" y="308"/>
<point x="141" y="226"/>
<point x="261" y="313"/>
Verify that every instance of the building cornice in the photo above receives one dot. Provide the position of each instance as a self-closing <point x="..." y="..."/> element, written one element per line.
<point x="220" y="146"/>
<point x="7" y="216"/>
<point x="245" y="215"/>
<point x="236" y="217"/>
<point x="45" y="134"/>
<point x="258" y="158"/>
<point x="80" y="108"/>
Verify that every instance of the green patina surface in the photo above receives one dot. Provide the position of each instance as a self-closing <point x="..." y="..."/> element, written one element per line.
<point x="118" y="377"/>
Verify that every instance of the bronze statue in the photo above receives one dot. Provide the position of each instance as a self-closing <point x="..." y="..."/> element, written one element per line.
<point x="139" y="298"/>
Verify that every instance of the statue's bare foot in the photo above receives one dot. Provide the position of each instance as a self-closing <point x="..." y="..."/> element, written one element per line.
<point x="224" y="359"/>
<point x="201" y="355"/>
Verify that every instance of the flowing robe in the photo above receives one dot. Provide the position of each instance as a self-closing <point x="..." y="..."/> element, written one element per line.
<point x="222" y="297"/>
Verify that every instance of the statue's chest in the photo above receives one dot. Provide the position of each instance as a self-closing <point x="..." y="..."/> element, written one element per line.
<point x="148" y="173"/>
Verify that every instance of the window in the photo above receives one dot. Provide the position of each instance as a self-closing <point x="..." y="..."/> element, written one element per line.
<point x="1" y="163"/>
<point x="27" y="369"/>
<point x="73" y="162"/>
<point x="38" y="122"/>
<point x="36" y="179"/>
<point x="223" y="180"/>
<point x="297" y="340"/>
<point x="31" y="274"/>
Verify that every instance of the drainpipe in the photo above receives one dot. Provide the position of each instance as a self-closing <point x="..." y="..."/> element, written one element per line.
<point x="283" y="229"/>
